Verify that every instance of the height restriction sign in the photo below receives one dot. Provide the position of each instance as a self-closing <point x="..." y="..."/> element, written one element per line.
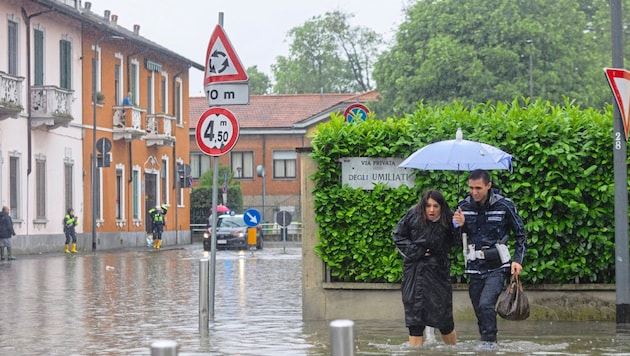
<point x="217" y="131"/>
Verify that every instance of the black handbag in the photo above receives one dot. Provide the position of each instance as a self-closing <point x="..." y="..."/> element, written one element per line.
<point x="513" y="303"/>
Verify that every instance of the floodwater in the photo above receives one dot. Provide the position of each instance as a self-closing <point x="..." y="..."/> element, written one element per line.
<point x="117" y="303"/>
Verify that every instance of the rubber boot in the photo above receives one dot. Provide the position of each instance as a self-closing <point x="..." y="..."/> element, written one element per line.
<point x="74" y="248"/>
<point x="67" y="251"/>
<point x="159" y="243"/>
<point x="155" y="246"/>
<point x="2" y="253"/>
<point x="10" y="257"/>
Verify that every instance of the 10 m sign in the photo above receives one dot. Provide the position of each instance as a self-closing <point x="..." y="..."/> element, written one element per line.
<point x="217" y="131"/>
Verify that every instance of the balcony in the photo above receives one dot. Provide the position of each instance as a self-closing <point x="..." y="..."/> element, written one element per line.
<point x="159" y="130"/>
<point x="127" y="123"/>
<point x="51" y="106"/>
<point x="10" y="96"/>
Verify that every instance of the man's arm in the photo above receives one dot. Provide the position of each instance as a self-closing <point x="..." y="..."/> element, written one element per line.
<point x="520" y="237"/>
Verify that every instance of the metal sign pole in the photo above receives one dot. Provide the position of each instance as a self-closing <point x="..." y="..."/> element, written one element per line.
<point x="620" y="178"/>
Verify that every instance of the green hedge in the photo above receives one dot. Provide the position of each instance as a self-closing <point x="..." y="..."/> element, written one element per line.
<point x="562" y="184"/>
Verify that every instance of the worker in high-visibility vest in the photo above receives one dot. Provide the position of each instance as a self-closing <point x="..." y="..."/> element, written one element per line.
<point x="157" y="220"/>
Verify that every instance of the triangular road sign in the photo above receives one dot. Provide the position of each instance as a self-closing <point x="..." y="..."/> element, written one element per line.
<point x="619" y="80"/>
<point x="222" y="63"/>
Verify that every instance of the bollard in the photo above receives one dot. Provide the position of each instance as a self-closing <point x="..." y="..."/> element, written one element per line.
<point x="203" y="295"/>
<point x="342" y="337"/>
<point x="164" y="348"/>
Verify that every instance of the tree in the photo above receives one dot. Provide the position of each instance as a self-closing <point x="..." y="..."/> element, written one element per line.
<point x="478" y="51"/>
<point x="327" y="55"/>
<point x="201" y="197"/>
<point x="259" y="82"/>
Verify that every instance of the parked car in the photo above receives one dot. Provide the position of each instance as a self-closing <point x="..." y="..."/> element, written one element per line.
<point x="232" y="233"/>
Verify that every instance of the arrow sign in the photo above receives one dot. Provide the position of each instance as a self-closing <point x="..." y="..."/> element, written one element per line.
<point x="619" y="81"/>
<point x="222" y="63"/>
<point x="251" y="217"/>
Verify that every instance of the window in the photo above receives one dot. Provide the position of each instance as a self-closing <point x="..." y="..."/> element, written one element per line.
<point x="14" y="184"/>
<point x="135" y="183"/>
<point x="150" y="108"/>
<point x="164" y="93"/>
<point x="38" y="54"/>
<point x="199" y="164"/>
<point x="120" y="192"/>
<point x="180" y="162"/>
<point x="65" y="63"/>
<point x="118" y="84"/>
<point x="40" y="182"/>
<point x="135" y="79"/>
<point x="243" y="164"/>
<point x="284" y="164"/>
<point x="178" y="102"/>
<point x="12" y="49"/>
<point x="164" y="181"/>
<point x="68" y="169"/>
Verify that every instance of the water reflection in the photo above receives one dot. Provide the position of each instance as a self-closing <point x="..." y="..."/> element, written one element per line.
<point x="118" y="302"/>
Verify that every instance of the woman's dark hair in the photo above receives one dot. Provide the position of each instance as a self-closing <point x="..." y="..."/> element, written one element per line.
<point x="446" y="215"/>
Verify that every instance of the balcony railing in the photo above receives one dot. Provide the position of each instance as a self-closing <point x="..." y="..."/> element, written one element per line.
<point x="51" y="106"/>
<point x="127" y="123"/>
<point x="159" y="130"/>
<point x="10" y="96"/>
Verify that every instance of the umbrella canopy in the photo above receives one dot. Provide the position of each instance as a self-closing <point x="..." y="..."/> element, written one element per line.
<point x="222" y="209"/>
<point x="458" y="155"/>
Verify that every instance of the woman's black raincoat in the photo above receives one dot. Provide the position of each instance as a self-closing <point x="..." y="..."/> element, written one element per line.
<point x="426" y="287"/>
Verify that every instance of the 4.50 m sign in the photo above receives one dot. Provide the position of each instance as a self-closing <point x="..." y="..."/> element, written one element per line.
<point x="217" y="131"/>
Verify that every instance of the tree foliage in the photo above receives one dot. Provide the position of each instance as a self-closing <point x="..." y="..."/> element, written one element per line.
<point x="478" y="51"/>
<point x="327" y="55"/>
<point x="562" y="184"/>
<point x="201" y="196"/>
<point x="259" y="82"/>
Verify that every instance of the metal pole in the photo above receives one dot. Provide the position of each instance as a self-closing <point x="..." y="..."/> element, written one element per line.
<point x="213" y="238"/>
<point x="622" y="267"/>
<point x="164" y="348"/>
<point x="93" y="162"/>
<point x="531" y="73"/>
<point x="203" y="295"/>
<point x="342" y="338"/>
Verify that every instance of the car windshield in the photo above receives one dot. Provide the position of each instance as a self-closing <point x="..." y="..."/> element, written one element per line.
<point x="231" y="221"/>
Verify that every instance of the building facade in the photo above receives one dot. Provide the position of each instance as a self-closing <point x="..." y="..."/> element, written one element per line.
<point x="62" y="86"/>
<point x="272" y="127"/>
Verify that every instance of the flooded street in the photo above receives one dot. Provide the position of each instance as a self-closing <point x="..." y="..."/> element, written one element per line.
<point x="117" y="303"/>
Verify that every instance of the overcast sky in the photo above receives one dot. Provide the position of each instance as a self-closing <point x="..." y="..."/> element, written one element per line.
<point x="257" y="29"/>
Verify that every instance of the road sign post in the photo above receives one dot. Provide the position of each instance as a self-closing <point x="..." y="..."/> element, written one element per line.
<point x="225" y="83"/>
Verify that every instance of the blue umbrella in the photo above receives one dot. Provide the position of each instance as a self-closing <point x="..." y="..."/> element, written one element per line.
<point x="458" y="155"/>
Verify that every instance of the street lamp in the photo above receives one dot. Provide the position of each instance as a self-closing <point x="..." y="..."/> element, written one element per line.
<point x="531" y="74"/>
<point x="97" y="63"/>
